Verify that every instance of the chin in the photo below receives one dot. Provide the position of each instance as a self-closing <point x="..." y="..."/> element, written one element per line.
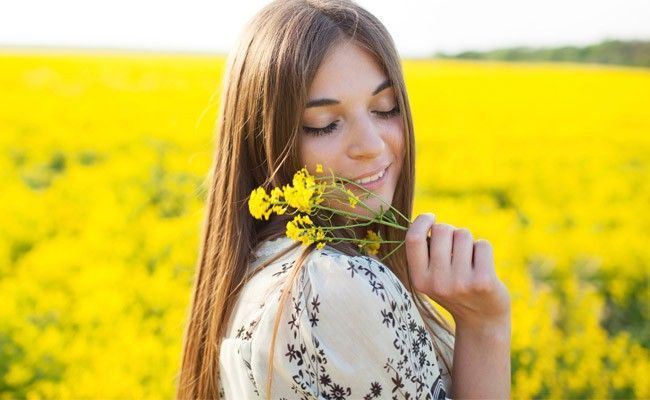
<point x="374" y="204"/>
<point x="383" y="199"/>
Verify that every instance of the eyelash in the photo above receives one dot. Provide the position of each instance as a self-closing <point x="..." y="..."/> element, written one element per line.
<point x="329" y="128"/>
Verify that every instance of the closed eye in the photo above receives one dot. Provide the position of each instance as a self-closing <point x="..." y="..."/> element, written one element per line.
<point x="329" y="128"/>
<point x="391" y="113"/>
<point x="321" y="131"/>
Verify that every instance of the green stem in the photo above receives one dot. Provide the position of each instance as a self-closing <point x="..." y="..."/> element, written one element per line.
<point x="368" y="191"/>
<point x="362" y="216"/>
<point x="392" y="251"/>
<point x="342" y="190"/>
<point x="349" y="226"/>
<point x="364" y="240"/>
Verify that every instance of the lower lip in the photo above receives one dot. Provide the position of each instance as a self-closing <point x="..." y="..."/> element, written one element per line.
<point x="373" y="184"/>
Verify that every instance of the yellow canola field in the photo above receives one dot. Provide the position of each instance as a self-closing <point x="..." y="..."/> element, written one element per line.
<point x="102" y="168"/>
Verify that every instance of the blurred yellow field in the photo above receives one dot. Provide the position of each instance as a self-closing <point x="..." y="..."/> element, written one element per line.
<point x="102" y="171"/>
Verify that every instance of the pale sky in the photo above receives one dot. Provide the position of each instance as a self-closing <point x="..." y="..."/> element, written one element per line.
<point x="419" y="28"/>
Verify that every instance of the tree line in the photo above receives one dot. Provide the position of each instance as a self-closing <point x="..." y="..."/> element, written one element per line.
<point x="622" y="52"/>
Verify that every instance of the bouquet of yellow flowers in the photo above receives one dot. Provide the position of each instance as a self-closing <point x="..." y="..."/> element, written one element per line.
<point x="305" y="197"/>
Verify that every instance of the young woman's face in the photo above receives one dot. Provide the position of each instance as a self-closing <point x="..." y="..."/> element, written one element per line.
<point x="351" y="125"/>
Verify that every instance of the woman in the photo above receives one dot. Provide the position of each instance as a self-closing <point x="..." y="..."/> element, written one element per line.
<point x="320" y="82"/>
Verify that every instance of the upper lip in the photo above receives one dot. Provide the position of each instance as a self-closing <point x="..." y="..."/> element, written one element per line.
<point x="375" y="172"/>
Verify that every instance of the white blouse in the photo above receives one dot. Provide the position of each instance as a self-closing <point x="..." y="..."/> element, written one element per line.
<point x="349" y="330"/>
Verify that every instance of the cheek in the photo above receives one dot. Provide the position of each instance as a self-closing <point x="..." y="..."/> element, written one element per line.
<point x="308" y="154"/>
<point x="396" y="139"/>
<point x="324" y="150"/>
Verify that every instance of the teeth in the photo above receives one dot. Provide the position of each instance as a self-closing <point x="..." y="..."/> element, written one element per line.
<point x="371" y="178"/>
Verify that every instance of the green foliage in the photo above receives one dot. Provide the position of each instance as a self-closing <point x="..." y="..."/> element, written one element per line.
<point x="622" y="52"/>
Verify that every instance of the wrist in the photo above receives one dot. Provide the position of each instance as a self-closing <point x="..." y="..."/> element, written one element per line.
<point x="498" y="329"/>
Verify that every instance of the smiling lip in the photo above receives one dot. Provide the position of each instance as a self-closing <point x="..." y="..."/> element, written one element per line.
<point x="370" y="174"/>
<point x="373" y="184"/>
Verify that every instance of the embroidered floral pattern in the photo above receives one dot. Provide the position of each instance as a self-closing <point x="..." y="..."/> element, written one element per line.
<point x="246" y="334"/>
<point x="285" y="267"/>
<point x="411" y="339"/>
<point x="411" y="368"/>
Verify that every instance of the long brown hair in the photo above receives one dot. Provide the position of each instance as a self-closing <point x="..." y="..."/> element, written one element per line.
<point x="264" y="91"/>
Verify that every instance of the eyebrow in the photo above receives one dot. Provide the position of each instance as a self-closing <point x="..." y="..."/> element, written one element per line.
<point x="327" y="102"/>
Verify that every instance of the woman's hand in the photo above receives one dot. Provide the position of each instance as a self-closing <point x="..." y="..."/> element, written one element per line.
<point x="458" y="273"/>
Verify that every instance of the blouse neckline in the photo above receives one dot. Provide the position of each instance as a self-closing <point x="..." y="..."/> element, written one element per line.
<point x="271" y="246"/>
<point x="268" y="247"/>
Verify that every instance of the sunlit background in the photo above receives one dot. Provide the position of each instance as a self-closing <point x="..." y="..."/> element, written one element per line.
<point x="532" y="129"/>
<point x="420" y="28"/>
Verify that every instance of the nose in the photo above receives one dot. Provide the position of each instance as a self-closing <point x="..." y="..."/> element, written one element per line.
<point x="365" y="139"/>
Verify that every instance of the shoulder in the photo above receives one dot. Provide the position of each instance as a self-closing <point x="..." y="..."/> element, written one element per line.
<point x="338" y="274"/>
<point x="329" y="264"/>
<point x="342" y="279"/>
<point x="350" y="317"/>
<point x="357" y="298"/>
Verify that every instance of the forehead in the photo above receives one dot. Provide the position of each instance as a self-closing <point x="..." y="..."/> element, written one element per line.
<point x="347" y="68"/>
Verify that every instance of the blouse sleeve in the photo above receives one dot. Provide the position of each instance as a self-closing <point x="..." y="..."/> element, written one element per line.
<point x="352" y="331"/>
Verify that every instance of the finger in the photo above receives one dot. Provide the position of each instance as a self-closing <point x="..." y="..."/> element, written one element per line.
<point x="417" y="250"/>
<point x="463" y="247"/>
<point x="441" y="245"/>
<point x="484" y="261"/>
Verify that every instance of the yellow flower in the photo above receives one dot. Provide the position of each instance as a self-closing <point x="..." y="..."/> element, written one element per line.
<point x="302" y="229"/>
<point x="293" y="231"/>
<point x="317" y="234"/>
<point x="320" y="235"/>
<point x="304" y="193"/>
<point x="258" y="204"/>
<point x="352" y="198"/>
<point x="279" y="210"/>
<point x="297" y="229"/>
<point x="373" y="247"/>
<point x="276" y="195"/>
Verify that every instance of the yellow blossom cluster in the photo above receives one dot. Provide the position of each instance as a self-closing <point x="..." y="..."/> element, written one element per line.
<point x="302" y="195"/>
<point x="305" y="195"/>
<point x="302" y="229"/>
<point x="352" y="198"/>
<point x="371" y="244"/>
<point x="97" y="252"/>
